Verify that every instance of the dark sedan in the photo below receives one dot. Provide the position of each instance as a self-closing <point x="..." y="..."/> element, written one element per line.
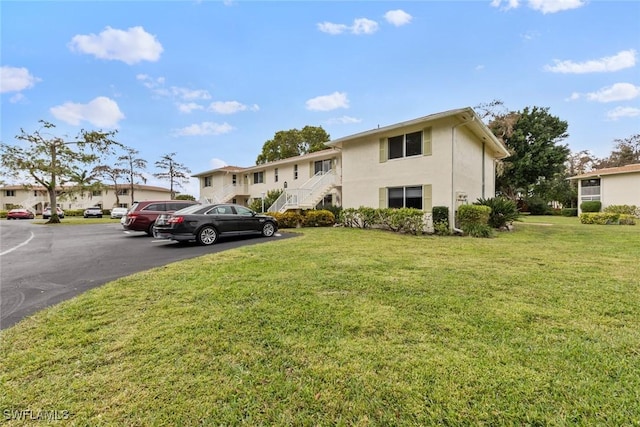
<point x="205" y="223"/>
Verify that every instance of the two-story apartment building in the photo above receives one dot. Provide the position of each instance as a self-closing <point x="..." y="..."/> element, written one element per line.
<point x="36" y="198"/>
<point x="444" y="159"/>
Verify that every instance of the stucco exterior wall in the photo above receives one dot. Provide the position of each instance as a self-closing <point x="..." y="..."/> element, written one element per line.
<point x="621" y="189"/>
<point x="363" y="173"/>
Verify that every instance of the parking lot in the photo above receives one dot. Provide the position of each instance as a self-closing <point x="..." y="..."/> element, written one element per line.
<point x="41" y="265"/>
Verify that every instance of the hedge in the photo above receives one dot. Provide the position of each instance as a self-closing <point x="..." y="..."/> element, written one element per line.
<point x="607" y="218"/>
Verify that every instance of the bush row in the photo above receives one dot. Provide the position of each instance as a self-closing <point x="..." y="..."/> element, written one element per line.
<point x="402" y="220"/>
<point x="607" y="218"/>
<point x="623" y="209"/>
<point x="310" y="218"/>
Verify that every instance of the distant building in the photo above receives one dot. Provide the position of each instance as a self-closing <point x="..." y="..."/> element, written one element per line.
<point x="36" y="198"/>
<point x="610" y="186"/>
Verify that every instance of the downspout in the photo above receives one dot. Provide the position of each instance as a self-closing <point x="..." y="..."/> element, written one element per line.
<point x="483" y="170"/>
<point x="452" y="214"/>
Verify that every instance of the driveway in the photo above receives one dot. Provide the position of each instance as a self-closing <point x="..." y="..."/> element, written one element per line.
<point x="41" y="265"/>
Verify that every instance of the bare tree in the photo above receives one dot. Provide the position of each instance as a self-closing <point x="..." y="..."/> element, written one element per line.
<point x="172" y="171"/>
<point x="132" y="166"/>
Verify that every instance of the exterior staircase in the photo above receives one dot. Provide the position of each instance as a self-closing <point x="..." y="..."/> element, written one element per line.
<point x="308" y="195"/>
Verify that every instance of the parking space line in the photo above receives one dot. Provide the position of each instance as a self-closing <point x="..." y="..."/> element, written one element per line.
<point x="20" y="245"/>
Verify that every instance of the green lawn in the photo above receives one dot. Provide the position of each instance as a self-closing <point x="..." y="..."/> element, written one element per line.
<point x="540" y="326"/>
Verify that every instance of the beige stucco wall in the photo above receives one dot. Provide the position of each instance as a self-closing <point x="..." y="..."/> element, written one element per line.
<point x="623" y="189"/>
<point x="363" y="173"/>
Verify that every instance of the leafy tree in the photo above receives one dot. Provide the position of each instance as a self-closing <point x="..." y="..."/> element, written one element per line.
<point x="293" y="142"/>
<point x="626" y="152"/>
<point x="185" y="197"/>
<point x="84" y="181"/>
<point x="172" y="171"/>
<point x="532" y="137"/>
<point x="51" y="160"/>
<point x="131" y="166"/>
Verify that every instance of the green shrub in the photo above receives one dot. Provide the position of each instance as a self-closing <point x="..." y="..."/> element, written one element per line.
<point x="503" y="211"/>
<point x="318" y="218"/>
<point x="74" y="212"/>
<point x="402" y="220"/>
<point x="478" y="230"/>
<point x="3" y="214"/>
<point x="537" y="206"/>
<point x="569" y="212"/>
<point x="591" y="206"/>
<point x="607" y="218"/>
<point x="621" y="209"/>
<point x="363" y="217"/>
<point x="290" y="219"/>
<point x="441" y="220"/>
<point x="473" y="214"/>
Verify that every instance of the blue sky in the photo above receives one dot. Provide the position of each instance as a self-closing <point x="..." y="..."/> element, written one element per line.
<point x="213" y="80"/>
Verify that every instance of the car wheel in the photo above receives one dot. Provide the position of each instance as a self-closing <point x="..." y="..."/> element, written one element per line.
<point x="207" y="235"/>
<point x="268" y="229"/>
<point x="150" y="229"/>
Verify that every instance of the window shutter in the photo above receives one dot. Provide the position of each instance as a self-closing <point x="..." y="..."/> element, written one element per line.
<point x="382" y="195"/>
<point x="426" y="142"/>
<point x="427" y="201"/>
<point x="383" y="150"/>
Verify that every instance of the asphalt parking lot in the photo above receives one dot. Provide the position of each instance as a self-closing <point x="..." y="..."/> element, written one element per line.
<point x="41" y="265"/>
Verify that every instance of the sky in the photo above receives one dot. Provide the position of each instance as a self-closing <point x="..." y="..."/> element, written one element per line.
<point x="212" y="81"/>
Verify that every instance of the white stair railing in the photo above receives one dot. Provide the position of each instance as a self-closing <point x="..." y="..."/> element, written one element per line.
<point x="296" y="198"/>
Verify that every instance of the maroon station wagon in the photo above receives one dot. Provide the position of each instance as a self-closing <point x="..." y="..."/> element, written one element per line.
<point x="142" y="215"/>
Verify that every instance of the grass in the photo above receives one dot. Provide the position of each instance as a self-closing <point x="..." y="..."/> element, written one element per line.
<point x="540" y="326"/>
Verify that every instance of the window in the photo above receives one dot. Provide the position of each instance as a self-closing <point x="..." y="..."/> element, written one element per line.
<point x="207" y="181"/>
<point x="258" y="177"/>
<point x="234" y="179"/>
<point x="240" y="210"/>
<point x="123" y="191"/>
<point x="275" y="174"/>
<point x="323" y="166"/>
<point x="406" y="145"/>
<point x="295" y="171"/>
<point x="590" y="189"/>
<point x="98" y="193"/>
<point x="405" y="197"/>
<point x="10" y="193"/>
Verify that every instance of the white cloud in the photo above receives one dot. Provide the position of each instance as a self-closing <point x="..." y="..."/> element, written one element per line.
<point x="398" y="17"/>
<point x="189" y="107"/>
<point x="620" y="61"/>
<point x="189" y="94"/>
<point x="617" y="92"/>
<point x="230" y="107"/>
<point x="331" y="28"/>
<point x="217" y="163"/>
<point x="204" y="128"/>
<point x="553" y="6"/>
<point x="344" y="120"/>
<point x="328" y="102"/>
<point x="364" y="26"/>
<point x="130" y="47"/>
<point x="360" y="26"/>
<point x="150" y="82"/>
<point x="101" y="112"/>
<point x="14" y="79"/>
<point x="544" y="6"/>
<point x="621" y="112"/>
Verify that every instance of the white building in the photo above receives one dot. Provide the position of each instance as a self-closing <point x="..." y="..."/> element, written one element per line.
<point x="444" y="159"/>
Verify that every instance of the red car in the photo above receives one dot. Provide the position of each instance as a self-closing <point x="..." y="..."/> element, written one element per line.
<point x="20" y="214"/>
<point x="142" y="215"/>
